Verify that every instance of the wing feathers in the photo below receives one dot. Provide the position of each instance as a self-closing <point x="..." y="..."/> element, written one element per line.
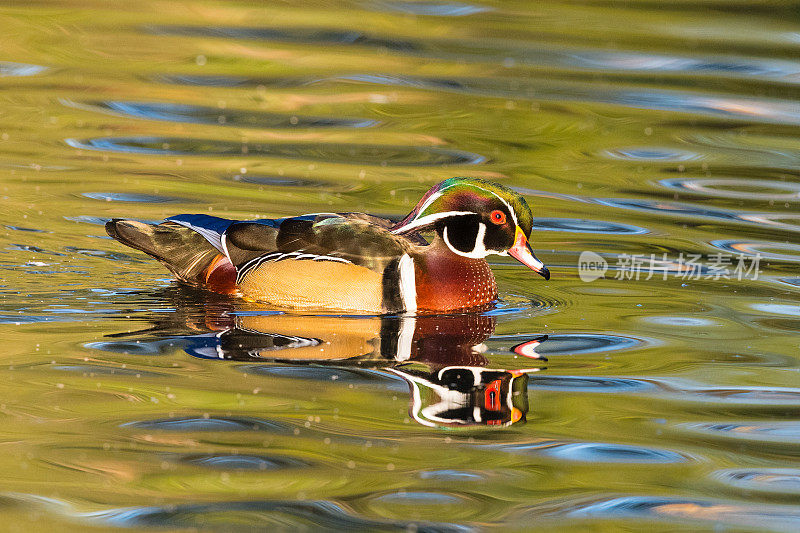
<point x="209" y="227"/>
<point x="183" y="251"/>
<point x="189" y="243"/>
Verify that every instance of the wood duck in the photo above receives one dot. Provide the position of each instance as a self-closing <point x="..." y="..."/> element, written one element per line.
<point x="352" y="261"/>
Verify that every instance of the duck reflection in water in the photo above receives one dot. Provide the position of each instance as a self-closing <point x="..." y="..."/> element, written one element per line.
<point x="465" y="395"/>
<point x="441" y="357"/>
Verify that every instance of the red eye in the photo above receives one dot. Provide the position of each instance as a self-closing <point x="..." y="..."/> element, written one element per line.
<point x="498" y="217"/>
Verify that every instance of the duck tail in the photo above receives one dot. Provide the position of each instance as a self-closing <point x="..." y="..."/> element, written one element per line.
<point x="186" y="253"/>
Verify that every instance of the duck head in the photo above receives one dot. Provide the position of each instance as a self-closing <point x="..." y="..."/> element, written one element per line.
<point x="476" y="218"/>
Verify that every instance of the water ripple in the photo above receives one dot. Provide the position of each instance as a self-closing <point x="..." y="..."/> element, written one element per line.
<point x="282" y="181"/>
<point x="785" y="221"/>
<point x="779" y="481"/>
<point x="598" y="452"/>
<point x="31" y="248"/>
<point x="326" y="374"/>
<point x="203" y="80"/>
<point x="26" y="319"/>
<point x="778" y="432"/>
<point x="230" y="423"/>
<point x="760" y="248"/>
<point x="716" y="513"/>
<point x="743" y="108"/>
<point x="580" y="225"/>
<point x="364" y="154"/>
<point x="587" y="384"/>
<point x="655" y="153"/>
<point x="19" y="69"/>
<point x="242" y="462"/>
<point x="585" y="343"/>
<point x="680" y="321"/>
<point x="777" y="308"/>
<point x="29" y="230"/>
<point x="510" y="52"/>
<point x="261" y="515"/>
<point x="88" y="219"/>
<point x="321" y="36"/>
<point x="428" y="8"/>
<point x="667" y="208"/>
<point x="131" y="197"/>
<point x="451" y="476"/>
<point x="767" y="110"/>
<point x="746" y="396"/>
<point x="671" y="209"/>
<point x="113" y="256"/>
<point x="625" y="60"/>
<point x="139" y="347"/>
<point x="92" y="370"/>
<point x="194" y="114"/>
<point x="418" y="498"/>
<point x="750" y="189"/>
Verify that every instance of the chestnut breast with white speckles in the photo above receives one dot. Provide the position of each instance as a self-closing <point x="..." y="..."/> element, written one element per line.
<point x="446" y="281"/>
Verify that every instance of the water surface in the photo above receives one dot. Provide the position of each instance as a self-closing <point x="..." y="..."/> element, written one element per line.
<point x="670" y="395"/>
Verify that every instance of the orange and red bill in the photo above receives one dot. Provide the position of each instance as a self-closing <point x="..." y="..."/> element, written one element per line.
<point x="522" y="252"/>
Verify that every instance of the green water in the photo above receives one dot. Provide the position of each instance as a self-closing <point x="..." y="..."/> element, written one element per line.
<point x="670" y="399"/>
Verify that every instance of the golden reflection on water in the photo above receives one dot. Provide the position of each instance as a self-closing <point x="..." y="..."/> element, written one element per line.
<point x="130" y="402"/>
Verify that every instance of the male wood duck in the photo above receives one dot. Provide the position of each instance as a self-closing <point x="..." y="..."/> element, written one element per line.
<point x="352" y="261"/>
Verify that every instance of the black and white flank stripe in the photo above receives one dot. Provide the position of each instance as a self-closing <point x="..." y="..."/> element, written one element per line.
<point x="274" y="257"/>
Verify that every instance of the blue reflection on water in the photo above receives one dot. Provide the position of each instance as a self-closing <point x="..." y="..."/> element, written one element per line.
<point x="451" y="475"/>
<point x="778" y="481"/>
<point x="782" y="190"/>
<point x="418" y="498"/>
<point x="363" y="376"/>
<point x="324" y="36"/>
<point x="19" y="69"/>
<point x="186" y="113"/>
<point x="428" y="8"/>
<point x="587" y="384"/>
<point x="652" y="153"/>
<point x="762" y="249"/>
<point x="680" y="510"/>
<point x="585" y="343"/>
<point x="131" y="197"/>
<point x="786" y="432"/>
<point x="598" y="452"/>
<point x="770" y="110"/>
<point x="229" y="423"/>
<point x="580" y="225"/>
<point x="261" y="515"/>
<point x="384" y="155"/>
<point x="243" y="462"/>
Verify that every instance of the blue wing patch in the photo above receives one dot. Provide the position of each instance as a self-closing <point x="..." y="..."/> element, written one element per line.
<point x="212" y="228"/>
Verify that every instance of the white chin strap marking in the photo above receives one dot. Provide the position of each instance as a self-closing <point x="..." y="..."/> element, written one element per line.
<point x="478" y="252"/>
